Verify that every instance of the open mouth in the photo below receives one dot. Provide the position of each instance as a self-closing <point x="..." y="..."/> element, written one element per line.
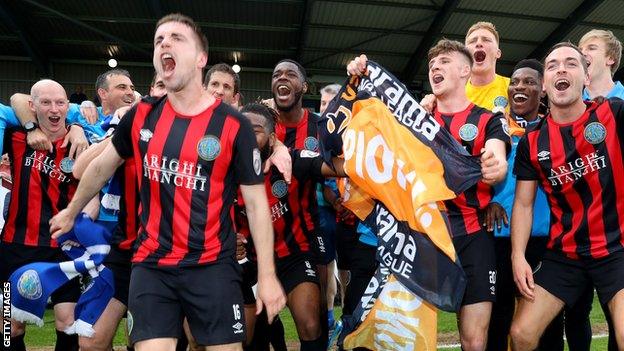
<point x="520" y="98"/>
<point x="54" y="119"/>
<point x="562" y="84"/>
<point x="479" y="56"/>
<point x="128" y="100"/>
<point x="438" y="78"/>
<point x="168" y="63"/>
<point x="283" y="91"/>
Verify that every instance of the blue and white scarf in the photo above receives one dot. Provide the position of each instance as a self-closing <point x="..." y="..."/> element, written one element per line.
<point x="32" y="284"/>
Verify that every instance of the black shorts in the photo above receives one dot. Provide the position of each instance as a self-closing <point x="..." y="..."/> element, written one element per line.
<point x="347" y="238"/>
<point x="568" y="279"/>
<point x="14" y="256"/>
<point x="478" y="259"/>
<point x="295" y="269"/>
<point x="209" y="296"/>
<point x="250" y="278"/>
<point x="118" y="261"/>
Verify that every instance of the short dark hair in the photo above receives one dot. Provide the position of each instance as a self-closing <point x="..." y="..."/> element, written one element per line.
<point x="567" y="44"/>
<point x="202" y="41"/>
<point x="269" y="114"/>
<point x="299" y="67"/>
<point x="102" y="79"/>
<point x="530" y="63"/>
<point x="225" y="68"/>
<point x="445" y="46"/>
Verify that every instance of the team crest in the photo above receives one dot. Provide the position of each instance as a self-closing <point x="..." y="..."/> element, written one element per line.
<point x="29" y="285"/>
<point x="500" y="101"/>
<point x="311" y="143"/>
<point x="468" y="132"/>
<point x="257" y="161"/>
<point x="67" y="165"/>
<point x="279" y="189"/>
<point x="595" y="133"/>
<point x="209" y="147"/>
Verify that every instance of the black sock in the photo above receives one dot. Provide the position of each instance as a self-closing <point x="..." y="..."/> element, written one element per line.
<point x="320" y="344"/>
<point x="17" y="343"/>
<point x="66" y="342"/>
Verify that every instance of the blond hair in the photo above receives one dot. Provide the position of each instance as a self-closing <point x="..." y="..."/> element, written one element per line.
<point x="613" y="45"/>
<point x="489" y="26"/>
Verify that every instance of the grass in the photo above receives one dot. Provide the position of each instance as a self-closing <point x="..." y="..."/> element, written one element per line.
<point x="42" y="337"/>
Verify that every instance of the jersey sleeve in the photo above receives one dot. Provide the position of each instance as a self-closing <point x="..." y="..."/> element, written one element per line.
<point x="307" y="164"/>
<point x="498" y="128"/>
<point x="617" y="107"/>
<point x="246" y="156"/>
<point x="8" y="119"/>
<point x="122" y="137"/>
<point x="523" y="168"/>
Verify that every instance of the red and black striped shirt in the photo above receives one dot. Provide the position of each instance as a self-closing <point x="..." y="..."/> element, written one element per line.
<point x="42" y="186"/>
<point x="303" y="136"/>
<point x="188" y="170"/>
<point x="472" y="127"/>
<point x="284" y="203"/>
<point x="580" y="166"/>
<point x="128" y="218"/>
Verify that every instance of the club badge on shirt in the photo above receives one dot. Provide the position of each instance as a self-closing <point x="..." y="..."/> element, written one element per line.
<point x="67" y="165"/>
<point x="468" y="132"/>
<point x="595" y="133"/>
<point x="311" y="143"/>
<point x="209" y="147"/>
<point x="279" y="189"/>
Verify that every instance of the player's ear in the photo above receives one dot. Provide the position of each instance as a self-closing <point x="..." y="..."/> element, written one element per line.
<point x="305" y="87"/>
<point x="272" y="139"/>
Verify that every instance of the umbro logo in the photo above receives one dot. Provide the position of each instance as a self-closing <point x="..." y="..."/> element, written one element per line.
<point x="146" y="135"/>
<point x="543" y="155"/>
<point x="238" y="328"/>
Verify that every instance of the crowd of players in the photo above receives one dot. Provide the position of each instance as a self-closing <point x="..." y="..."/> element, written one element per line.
<point x="176" y="174"/>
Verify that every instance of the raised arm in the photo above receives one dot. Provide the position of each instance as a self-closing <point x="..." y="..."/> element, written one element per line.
<point x="95" y="176"/>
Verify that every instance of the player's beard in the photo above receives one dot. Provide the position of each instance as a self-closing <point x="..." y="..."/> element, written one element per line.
<point x="289" y="108"/>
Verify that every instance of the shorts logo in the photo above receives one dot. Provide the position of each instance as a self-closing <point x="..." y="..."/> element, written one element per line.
<point x="257" y="161"/>
<point x="543" y="155"/>
<point x="321" y="244"/>
<point x="29" y="285"/>
<point x="238" y="328"/>
<point x="309" y="271"/>
<point x="468" y="132"/>
<point x="595" y="133"/>
<point x="279" y="189"/>
<point x="492" y="275"/>
<point x="130" y="322"/>
<point x="311" y="143"/>
<point x="209" y="147"/>
<point x="146" y="135"/>
<point x="67" y="165"/>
